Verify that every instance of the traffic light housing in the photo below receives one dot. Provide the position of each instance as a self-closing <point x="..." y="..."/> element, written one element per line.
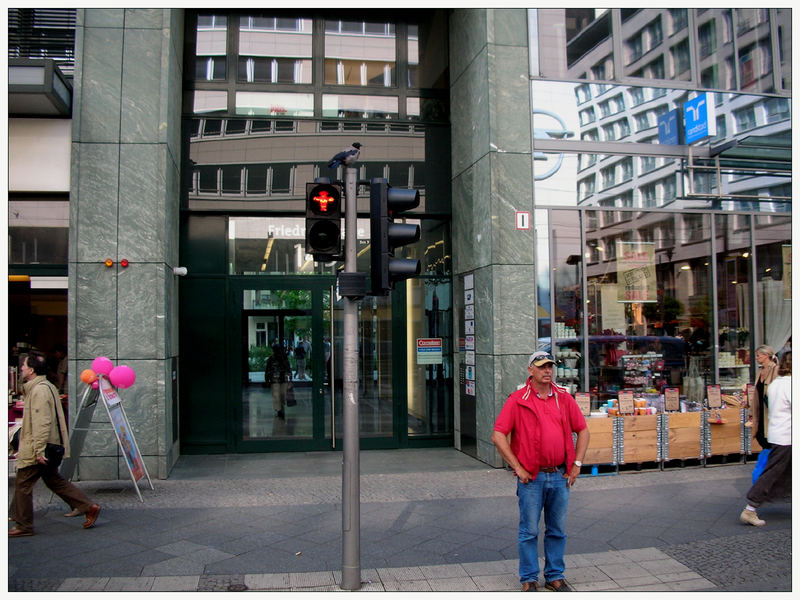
<point x="324" y="220"/>
<point x="386" y="235"/>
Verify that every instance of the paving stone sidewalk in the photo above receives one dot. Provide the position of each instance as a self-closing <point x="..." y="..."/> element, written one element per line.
<point x="431" y="520"/>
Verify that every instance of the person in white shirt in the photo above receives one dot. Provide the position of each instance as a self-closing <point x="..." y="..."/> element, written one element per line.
<point x="776" y="480"/>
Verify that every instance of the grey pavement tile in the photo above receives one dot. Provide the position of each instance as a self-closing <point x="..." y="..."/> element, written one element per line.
<point x="304" y="580"/>
<point x="682" y="576"/>
<point x="648" y="587"/>
<point x="627" y="570"/>
<point x="178" y="565"/>
<point x="644" y="554"/>
<point x="454" y="584"/>
<point x="443" y="571"/>
<point x="490" y="567"/>
<point x="267" y="581"/>
<point x="83" y="584"/>
<point x="664" y="565"/>
<point x="420" y="585"/>
<point x="584" y="574"/>
<point x="596" y="586"/>
<point x="175" y="583"/>
<point x="630" y="582"/>
<point x="128" y="584"/>
<point x="507" y="582"/>
<point x="368" y="586"/>
<point x="691" y="585"/>
<point x="180" y="548"/>
<point x="207" y="556"/>
<point x="368" y="575"/>
<point x="400" y="574"/>
<point x="597" y="558"/>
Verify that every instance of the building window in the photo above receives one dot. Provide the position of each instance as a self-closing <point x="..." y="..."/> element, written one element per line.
<point x="745" y="118"/>
<point x="359" y="53"/>
<point x="680" y="60"/>
<point x="707" y="36"/>
<point x="777" y="109"/>
<point x="679" y="18"/>
<point x="211" y="47"/>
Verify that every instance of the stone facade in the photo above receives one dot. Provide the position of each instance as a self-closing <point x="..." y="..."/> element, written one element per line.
<point x="492" y="176"/>
<point x="124" y="203"/>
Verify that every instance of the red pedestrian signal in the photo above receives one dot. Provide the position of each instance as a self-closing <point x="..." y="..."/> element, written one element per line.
<point x="323" y="220"/>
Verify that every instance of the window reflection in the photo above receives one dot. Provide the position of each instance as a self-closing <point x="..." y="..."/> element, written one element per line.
<point x="359" y="107"/>
<point x="751" y="172"/>
<point x="274" y="50"/>
<point x="274" y="104"/>
<point x="734" y="47"/>
<point x="211" y="44"/>
<point x="360" y="53"/>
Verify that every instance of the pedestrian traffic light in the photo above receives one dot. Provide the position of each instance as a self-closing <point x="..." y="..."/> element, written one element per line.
<point x="385" y="202"/>
<point x="323" y="220"/>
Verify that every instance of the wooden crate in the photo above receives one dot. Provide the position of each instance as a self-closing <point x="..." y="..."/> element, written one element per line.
<point x="684" y="435"/>
<point x="601" y="441"/>
<point x="725" y="438"/>
<point x="640" y="439"/>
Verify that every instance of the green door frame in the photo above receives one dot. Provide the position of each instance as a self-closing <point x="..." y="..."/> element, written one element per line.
<point x="318" y="285"/>
<point x="234" y="317"/>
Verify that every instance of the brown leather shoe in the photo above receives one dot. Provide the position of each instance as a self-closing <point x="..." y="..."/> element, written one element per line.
<point x="91" y="516"/>
<point x="18" y="533"/>
<point x="530" y="586"/>
<point x="558" y="585"/>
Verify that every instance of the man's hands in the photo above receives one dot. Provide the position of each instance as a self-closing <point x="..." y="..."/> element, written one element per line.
<point x="571" y="474"/>
<point x="523" y="475"/>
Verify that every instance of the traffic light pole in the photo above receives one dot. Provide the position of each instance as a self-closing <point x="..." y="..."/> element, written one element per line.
<point x="351" y="518"/>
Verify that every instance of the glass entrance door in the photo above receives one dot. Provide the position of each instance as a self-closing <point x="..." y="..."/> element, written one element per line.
<point x="281" y="367"/>
<point x="288" y="368"/>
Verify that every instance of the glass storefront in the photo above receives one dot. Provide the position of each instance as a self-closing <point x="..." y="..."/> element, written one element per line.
<point x="271" y="98"/>
<point x="662" y="209"/>
<point x="666" y="296"/>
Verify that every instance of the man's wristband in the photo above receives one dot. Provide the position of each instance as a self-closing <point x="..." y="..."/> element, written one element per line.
<point x="578" y="463"/>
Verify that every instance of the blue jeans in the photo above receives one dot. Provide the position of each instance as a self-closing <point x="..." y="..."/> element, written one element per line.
<point x="548" y="493"/>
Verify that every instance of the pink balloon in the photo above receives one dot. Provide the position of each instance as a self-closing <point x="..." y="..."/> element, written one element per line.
<point x="102" y="365"/>
<point x="95" y="384"/>
<point x="122" y="376"/>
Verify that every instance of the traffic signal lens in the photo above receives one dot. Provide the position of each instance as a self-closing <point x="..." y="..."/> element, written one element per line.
<point x="323" y="236"/>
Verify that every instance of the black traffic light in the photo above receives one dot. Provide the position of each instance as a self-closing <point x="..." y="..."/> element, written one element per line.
<point x="324" y="220"/>
<point x="385" y="202"/>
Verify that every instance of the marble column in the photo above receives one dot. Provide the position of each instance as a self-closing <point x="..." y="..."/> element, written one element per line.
<point x="492" y="180"/>
<point x="124" y="204"/>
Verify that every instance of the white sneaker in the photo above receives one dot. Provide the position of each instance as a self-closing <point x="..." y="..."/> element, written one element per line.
<point x="749" y="517"/>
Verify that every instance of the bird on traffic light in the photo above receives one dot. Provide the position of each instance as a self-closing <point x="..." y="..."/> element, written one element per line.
<point x="346" y="157"/>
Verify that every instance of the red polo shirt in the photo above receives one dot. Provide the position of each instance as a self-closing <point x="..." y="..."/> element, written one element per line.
<point x="541" y="428"/>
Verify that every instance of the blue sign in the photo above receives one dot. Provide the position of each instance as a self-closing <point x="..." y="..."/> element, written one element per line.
<point x="668" y="131"/>
<point x="699" y="119"/>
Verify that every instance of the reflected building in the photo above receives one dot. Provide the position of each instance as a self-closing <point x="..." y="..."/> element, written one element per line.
<point x="563" y="206"/>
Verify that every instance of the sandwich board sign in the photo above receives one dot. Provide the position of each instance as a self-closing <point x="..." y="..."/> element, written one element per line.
<point x="121" y="427"/>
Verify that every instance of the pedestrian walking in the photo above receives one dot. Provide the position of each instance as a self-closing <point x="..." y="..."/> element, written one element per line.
<point x="43" y="423"/>
<point x="767" y="372"/>
<point x="541" y="418"/>
<point x="776" y="479"/>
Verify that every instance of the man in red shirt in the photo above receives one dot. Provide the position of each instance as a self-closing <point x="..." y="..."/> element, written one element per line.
<point x="541" y="418"/>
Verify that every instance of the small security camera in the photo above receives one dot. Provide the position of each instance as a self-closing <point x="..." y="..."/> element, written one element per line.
<point x="180" y="271"/>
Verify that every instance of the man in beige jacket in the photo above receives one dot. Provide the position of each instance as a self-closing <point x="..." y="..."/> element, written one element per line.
<point x="42" y="423"/>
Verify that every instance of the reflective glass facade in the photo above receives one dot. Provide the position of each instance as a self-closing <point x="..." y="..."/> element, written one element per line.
<point x="661" y="256"/>
<point x="269" y="100"/>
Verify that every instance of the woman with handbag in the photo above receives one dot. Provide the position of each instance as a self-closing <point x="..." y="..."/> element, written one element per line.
<point x="43" y="442"/>
<point x="767" y="372"/>
<point x="776" y="480"/>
